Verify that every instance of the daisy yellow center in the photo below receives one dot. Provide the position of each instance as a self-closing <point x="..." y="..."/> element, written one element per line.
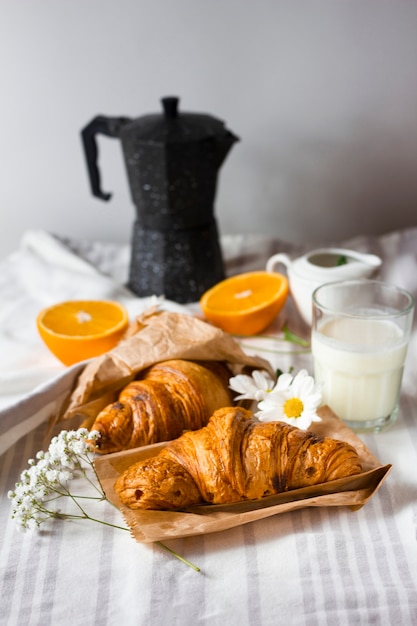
<point x="293" y="407"/>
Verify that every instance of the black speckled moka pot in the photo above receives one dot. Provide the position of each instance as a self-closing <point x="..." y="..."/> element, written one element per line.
<point x="172" y="161"/>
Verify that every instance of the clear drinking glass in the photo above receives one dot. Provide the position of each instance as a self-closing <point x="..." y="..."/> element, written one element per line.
<point x="360" y="335"/>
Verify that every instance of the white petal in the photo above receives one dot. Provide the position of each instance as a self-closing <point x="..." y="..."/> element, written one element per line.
<point x="283" y="382"/>
<point x="273" y="401"/>
<point x="312" y="403"/>
<point x="302" y="383"/>
<point x="316" y="418"/>
<point x="268" y="415"/>
<point x="241" y="384"/>
<point x="262" y="380"/>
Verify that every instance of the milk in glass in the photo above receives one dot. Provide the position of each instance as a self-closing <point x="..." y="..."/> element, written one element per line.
<point x="360" y="363"/>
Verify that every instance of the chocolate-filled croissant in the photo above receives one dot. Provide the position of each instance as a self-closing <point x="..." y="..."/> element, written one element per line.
<point x="234" y="458"/>
<point x="170" y="397"/>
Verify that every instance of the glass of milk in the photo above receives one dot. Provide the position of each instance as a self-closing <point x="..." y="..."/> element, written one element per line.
<point x="360" y="333"/>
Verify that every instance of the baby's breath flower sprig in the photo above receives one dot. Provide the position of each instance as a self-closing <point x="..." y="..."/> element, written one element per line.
<point x="36" y="496"/>
<point x="290" y="399"/>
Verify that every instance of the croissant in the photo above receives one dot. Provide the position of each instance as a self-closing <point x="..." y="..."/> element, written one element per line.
<point x="171" y="396"/>
<point x="234" y="458"/>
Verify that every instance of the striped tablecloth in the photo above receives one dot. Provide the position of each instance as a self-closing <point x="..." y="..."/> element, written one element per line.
<point x="309" y="567"/>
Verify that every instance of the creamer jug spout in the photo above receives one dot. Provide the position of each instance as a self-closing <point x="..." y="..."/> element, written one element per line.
<point x="372" y="260"/>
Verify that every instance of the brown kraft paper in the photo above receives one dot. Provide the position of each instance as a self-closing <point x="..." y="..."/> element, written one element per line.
<point x="150" y="526"/>
<point x="154" y="337"/>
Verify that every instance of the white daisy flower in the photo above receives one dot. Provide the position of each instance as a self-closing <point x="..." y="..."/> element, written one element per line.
<point x="293" y="400"/>
<point x="255" y="387"/>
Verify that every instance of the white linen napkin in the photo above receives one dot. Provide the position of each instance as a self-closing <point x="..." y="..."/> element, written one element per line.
<point x="41" y="272"/>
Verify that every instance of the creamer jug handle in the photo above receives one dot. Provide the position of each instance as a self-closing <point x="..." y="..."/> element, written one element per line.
<point x="281" y="257"/>
<point x="110" y="126"/>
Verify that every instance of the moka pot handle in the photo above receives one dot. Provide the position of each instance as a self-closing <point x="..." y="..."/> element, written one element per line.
<point x="109" y="126"/>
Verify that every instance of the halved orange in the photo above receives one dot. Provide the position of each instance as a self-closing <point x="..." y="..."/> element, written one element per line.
<point x="81" y="329"/>
<point x="245" y="304"/>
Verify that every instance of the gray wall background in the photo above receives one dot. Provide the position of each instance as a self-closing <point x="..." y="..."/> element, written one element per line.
<point x="322" y="93"/>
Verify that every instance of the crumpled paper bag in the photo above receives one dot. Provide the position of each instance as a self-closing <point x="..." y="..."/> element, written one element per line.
<point x="155" y="336"/>
<point x="151" y="526"/>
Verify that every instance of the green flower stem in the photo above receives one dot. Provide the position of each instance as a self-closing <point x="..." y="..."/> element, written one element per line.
<point x="91" y="464"/>
<point x="99" y="488"/>
<point x="99" y="521"/>
<point x="96" y="498"/>
<point x="75" y="500"/>
<point x="179" y="557"/>
<point x="293" y="338"/>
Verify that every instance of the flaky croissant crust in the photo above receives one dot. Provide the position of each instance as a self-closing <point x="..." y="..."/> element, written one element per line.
<point x="234" y="458"/>
<point x="170" y="397"/>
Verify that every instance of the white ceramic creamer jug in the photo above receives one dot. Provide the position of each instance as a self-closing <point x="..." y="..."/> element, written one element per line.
<point x="321" y="266"/>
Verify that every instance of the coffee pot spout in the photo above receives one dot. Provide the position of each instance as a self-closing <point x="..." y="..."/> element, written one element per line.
<point x="224" y="145"/>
